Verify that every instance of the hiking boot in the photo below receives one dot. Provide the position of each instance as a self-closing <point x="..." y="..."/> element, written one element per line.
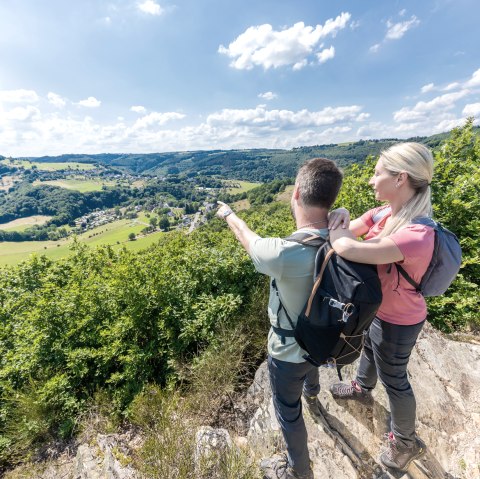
<point x="398" y="456"/>
<point x="313" y="404"/>
<point x="277" y="467"/>
<point x="351" y="391"/>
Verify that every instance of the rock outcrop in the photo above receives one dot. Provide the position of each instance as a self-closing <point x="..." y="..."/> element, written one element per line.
<point x="346" y="439"/>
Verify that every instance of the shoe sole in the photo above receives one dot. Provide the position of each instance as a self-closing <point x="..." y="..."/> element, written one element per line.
<point x="368" y="401"/>
<point x="421" y="453"/>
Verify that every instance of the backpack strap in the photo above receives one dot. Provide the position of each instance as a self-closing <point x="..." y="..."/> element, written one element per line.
<point x="408" y="277"/>
<point x="419" y="220"/>
<point x="306" y="239"/>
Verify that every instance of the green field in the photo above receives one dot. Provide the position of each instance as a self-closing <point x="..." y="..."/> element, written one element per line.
<point x="242" y="187"/>
<point x="82" y="185"/>
<point x="49" y="166"/>
<point x="21" y="224"/>
<point x="115" y="234"/>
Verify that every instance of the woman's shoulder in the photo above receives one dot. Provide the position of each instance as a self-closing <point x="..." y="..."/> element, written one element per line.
<point x="374" y="215"/>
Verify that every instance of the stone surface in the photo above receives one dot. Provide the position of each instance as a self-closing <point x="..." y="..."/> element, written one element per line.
<point x="346" y="440"/>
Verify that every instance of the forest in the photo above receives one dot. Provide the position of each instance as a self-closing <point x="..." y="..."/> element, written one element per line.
<point x="185" y="316"/>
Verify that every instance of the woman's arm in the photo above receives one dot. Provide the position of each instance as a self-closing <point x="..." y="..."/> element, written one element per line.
<point x="372" y="251"/>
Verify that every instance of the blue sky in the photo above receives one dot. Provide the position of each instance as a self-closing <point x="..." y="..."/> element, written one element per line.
<point x="163" y="75"/>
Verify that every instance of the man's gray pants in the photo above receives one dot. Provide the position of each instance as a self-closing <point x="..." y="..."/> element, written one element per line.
<point x="288" y="381"/>
<point x="385" y="355"/>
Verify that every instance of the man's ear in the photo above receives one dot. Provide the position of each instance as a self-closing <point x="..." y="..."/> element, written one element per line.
<point x="296" y="192"/>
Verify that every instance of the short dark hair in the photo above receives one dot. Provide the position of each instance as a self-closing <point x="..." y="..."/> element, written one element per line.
<point x="319" y="181"/>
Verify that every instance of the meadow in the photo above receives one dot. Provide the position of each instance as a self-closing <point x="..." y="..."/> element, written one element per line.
<point x="22" y="224"/>
<point x="79" y="184"/>
<point x="114" y="234"/>
<point x="26" y="164"/>
<point x="243" y="186"/>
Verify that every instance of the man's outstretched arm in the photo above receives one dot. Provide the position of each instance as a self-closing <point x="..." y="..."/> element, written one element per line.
<point x="240" y="229"/>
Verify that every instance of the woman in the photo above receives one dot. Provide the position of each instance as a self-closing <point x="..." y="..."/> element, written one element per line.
<point x="402" y="179"/>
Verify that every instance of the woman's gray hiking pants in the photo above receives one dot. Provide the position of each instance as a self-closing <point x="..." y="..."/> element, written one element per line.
<point x="288" y="381"/>
<point x="385" y="355"/>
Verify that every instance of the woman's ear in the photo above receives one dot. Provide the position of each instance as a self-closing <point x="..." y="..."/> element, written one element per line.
<point x="402" y="177"/>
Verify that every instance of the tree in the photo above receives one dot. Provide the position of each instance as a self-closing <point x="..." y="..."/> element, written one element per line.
<point x="153" y="222"/>
<point x="132" y="236"/>
<point x="164" y="223"/>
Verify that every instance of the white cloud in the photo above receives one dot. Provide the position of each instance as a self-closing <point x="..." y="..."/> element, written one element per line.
<point x="402" y="12"/>
<point x="56" y="100"/>
<point x="156" y="119"/>
<point x="428" y="87"/>
<point x="375" y="48"/>
<point x="423" y="109"/>
<point x="278" y="119"/>
<point x="475" y="80"/>
<point x="20" y="114"/>
<point x="326" y="54"/>
<point x="362" y="117"/>
<point x="18" y="96"/>
<point x="150" y="7"/>
<point x="138" y="109"/>
<point x="90" y="102"/>
<point x="268" y="95"/>
<point x="451" y="86"/>
<point x="397" y="30"/>
<point x="472" y="109"/>
<point x="263" y="46"/>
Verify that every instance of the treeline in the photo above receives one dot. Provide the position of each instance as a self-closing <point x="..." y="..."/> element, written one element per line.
<point x="262" y="165"/>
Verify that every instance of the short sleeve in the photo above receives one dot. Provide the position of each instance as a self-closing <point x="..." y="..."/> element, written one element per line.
<point x="266" y="256"/>
<point x="369" y="217"/>
<point x="416" y="242"/>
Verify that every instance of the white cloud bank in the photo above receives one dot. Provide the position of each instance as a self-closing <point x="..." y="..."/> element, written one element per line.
<point x="295" y="46"/>
<point x="18" y="96"/>
<point x="32" y="125"/>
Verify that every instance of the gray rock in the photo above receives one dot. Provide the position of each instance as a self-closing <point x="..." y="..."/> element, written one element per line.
<point x="346" y="440"/>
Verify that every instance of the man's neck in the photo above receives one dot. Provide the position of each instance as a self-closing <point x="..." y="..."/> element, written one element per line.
<point x="312" y="222"/>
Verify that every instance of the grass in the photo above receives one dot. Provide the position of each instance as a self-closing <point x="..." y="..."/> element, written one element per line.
<point x="242" y="187"/>
<point x="286" y="195"/>
<point x="115" y="234"/>
<point x="82" y="185"/>
<point x="21" y="224"/>
<point x="49" y="166"/>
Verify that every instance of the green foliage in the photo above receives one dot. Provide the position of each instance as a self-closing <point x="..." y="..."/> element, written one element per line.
<point x="355" y="194"/>
<point x="110" y="321"/>
<point x="456" y="201"/>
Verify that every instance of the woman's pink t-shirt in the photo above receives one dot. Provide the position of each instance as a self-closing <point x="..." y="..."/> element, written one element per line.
<point x="401" y="304"/>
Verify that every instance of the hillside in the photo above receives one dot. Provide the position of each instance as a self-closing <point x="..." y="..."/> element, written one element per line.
<point x="253" y="165"/>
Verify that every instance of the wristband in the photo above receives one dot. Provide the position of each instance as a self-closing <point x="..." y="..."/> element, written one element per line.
<point x="226" y="213"/>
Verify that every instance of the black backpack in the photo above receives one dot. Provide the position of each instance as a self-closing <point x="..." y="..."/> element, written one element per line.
<point x="344" y="300"/>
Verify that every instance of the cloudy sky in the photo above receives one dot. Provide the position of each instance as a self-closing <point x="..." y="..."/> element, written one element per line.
<point x="95" y="76"/>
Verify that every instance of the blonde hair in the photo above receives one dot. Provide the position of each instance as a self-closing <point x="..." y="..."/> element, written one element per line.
<point x="416" y="160"/>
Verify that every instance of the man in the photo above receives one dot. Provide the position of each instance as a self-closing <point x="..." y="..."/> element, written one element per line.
<point x="290" y="266"/>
